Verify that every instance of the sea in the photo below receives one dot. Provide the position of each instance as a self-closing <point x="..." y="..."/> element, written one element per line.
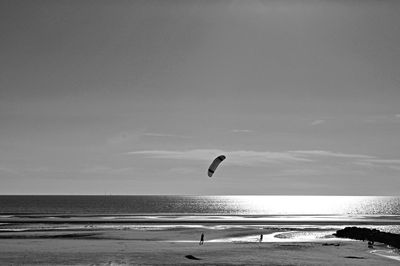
<point x="285" y="218"/>
<point x="231" y="219"/>
<point x="24" y="212"/>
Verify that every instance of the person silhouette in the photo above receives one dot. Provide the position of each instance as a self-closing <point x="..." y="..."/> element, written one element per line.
<point x="201" y="239"/>
<point x="261" y="238"/>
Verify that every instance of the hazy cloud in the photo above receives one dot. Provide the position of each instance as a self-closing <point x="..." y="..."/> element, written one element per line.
<point x="198" y="154"/>
<point x="101" y="169"/>
<point x="183" y="170"/>
<point x="123" y="137"/>
<point x="384" y="161"/>
<point x="9" y="170"/>
<point x="242" y="131"/>
<point x="162" y="135"/>
<point x="246" y="157"/>
<point x="393" y="164"/>
<point x="390" y="118"/>
<point x="300" y="172"/>
<point x="241" y="157"/>
<point x="332" y="154"/>
<point x="317" y="122"/>
<point x="318" y="158"/>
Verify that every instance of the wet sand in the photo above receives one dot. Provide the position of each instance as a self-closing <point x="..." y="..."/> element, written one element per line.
<point x="177" y="246"/>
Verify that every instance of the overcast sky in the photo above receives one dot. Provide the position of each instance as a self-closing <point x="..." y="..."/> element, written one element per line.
<point x="137" y="97"/>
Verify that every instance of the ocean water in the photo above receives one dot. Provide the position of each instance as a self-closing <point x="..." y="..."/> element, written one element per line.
<point x="280" y="218"/>
<point x="205" y="208"/>
<point x="154" y="212"/>
<point x="201" y="205"/>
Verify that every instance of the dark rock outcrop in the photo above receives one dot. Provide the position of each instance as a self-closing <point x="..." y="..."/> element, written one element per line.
<point x="371" y="235"/>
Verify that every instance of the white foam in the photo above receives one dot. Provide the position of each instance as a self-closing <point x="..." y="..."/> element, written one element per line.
<point x="283" y="236"/>
<point x="13" y="230"/>
<point x="390" y="254"/>
<point x="287" y="236"/>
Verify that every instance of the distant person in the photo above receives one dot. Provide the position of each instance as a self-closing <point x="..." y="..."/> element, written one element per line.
<point x="201" y="239"/>
<point x="261" y="238"/>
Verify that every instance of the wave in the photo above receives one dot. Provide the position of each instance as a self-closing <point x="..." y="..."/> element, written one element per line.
<point x="216" y="219"/>
<point x="387" y="253"/>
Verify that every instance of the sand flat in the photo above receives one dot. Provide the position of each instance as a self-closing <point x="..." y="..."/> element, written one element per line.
<point x="138" y="247"/>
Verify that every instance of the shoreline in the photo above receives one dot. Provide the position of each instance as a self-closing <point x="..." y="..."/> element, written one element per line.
<point x="179" y="245"/>
<point x="146" y="252"/>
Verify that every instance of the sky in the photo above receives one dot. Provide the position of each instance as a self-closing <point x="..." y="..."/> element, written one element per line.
<point x="138" y="97"/>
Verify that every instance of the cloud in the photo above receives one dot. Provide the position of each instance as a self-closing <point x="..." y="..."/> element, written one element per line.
<point x="198" y="154"/>
<point x="384" y="161"/>
<point x="317" y="122"/>
<point x="332" y="154"/>
<point x="241" y="157"/>
<point x="123" y="138"/>
<point x="300" y="172"/>
<point x="242" y="131"/>
<point x="308" y="158"/>
<point x="101" y="169"/>
<point x="183" y="170"/>
<point x="383" y="118"/>
<point x="393" y="164"/>
<point x="161" y="135"/>
<point x="298" y="162"/>
<point x="9" y="170"/>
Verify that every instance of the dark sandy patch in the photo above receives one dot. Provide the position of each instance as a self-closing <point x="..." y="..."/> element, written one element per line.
<point x="191" y="257"/>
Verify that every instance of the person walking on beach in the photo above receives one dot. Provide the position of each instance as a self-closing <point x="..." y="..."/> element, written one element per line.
<point x="201" y="239"/>
<point x="261" y="238"/>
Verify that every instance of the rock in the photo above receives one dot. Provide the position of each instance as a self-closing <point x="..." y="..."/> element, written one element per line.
<point x="371" y="235"/>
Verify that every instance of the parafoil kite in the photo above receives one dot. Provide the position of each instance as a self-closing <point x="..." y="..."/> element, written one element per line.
<point x="215" y="164"/>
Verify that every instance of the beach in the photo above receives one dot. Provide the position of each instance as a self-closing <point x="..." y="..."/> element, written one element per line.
<point x="166" y="230"/>
<point x="169" y="244"/>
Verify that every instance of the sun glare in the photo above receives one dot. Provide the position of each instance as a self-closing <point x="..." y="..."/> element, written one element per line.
<point x="318" y="205"/>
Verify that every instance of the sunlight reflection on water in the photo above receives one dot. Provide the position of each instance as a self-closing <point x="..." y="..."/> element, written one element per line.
<point x="46" y="206"/>
<point x="297" y="205"/>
